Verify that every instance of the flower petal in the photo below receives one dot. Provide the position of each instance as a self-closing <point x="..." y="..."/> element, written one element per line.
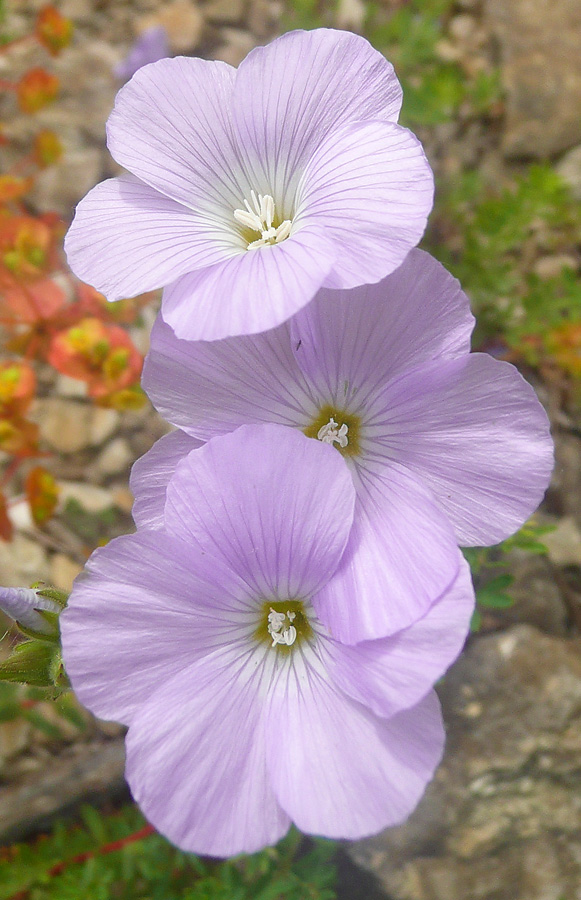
<point x="349" y="342"/>
<point x="290" y="94"/>
<point x="145" y="607"/>
<point x="474" y="431"/>
<point x="211" y="387"/>
<point x="196" y="759"/>
<point x="127" y="238"/>
<point x="251" y="292"/>
<point x="337" y="769"/>
<point x="171" y="126"/>
<point x="151" y="473"/>
<point x="371" y="187"/>
<point x="281" y="522"/>
<point x="395" y="673"/>
<point x="401" y="556"/>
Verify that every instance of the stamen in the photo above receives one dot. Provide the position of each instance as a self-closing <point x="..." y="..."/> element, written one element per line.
<point x="331" y="432"/>
<point x="280" y="632"/>
<point x="260" y="219"/>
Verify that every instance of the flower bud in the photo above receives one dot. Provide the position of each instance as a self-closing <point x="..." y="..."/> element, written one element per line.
<point x="28" y="607"/>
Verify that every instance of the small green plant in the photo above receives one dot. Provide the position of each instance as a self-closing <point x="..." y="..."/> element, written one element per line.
<point x="117" y="856"/>
<point x="491" y="586"/>
<point x="491" y="239"/>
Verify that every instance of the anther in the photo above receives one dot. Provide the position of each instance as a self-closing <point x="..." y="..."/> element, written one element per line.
<point x="259" y="217"/>
<point x="280" y="632"/>
<point x="331" y="432"/>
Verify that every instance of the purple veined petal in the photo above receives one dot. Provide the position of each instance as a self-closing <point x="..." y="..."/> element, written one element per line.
<point x="401" y="556"/>
<point x="252" y="292"/>
<point x="127" y="238"/>
<point x="151" y="473"/>
<point x="211" y="387"/>
<point x="371" y="187"/>
<point x="171" y="126"/>
<point x="337" y="769"/>
<point x="290" y="94"/>
<point x="196" y="758"/>
<point x="474" y="431"/>
<point x="146" y="605"/>
<point x="348" y="343"/>
<point x="274" y="504"/>
<point x="395" y="673"/>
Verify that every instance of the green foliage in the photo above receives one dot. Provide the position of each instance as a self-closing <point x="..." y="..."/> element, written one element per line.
<point x="491" y="587"/>
<point x="491" y="239"/>
<point x="151" y="869"/>
<point x="32" y="662"/>
<point x="93" y="528"/>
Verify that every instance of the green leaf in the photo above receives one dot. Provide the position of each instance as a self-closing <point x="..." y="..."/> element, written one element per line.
<point x="29" y="663"/>
<point x="493" y="595"/>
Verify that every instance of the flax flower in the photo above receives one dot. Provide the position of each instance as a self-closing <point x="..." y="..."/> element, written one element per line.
<point x="205" y="638"/>
<point x="251" y="188"/>
<point x="445" y="446"/>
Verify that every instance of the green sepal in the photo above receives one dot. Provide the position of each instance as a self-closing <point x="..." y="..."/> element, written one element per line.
<point x="52" y="618"/>
<point x="32" y="662"/>
<point x="60" y="597"/>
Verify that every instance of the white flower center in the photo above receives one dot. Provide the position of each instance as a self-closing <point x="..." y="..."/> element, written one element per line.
<point x="279" y="630"/>
<point x="260" y="219"/>
<point x="331" y="432"/>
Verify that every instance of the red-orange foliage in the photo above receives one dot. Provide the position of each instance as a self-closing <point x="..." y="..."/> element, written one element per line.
<point x="46" y="315"/>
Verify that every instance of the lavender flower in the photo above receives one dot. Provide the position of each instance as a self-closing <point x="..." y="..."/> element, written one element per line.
<point x="149" y="47"/>
<point x="25" y="606"/>
<point x="251" y="188"/>
<point x="444" y="446"/>
<point x="205" y="638"/>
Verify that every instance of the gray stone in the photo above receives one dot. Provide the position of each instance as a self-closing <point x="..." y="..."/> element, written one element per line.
<point x="537" y="594"/>
<point x="564" y="543"/>
<point x="569" y="168"/>
<point x="69" y="426"/>
<point x="541" y="68"/>
<point x="79" y="773"/>
<point x="501" y="819"/>
<point x="227" y="12"/>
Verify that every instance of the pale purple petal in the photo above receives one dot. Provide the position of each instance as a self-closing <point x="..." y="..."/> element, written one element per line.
<point x="196" y="758"/>
<point x="212" y="387"/>
<point x="151" y="473"/>
<point x="171" y="126"/>
<point x="145" y="607"/>
<point x="395" y="673"/>
<point x="337" y="769"/>
<point x="274" y="504"/>
<point x="474" y="431"/>
<point x="289" y="95"/>
<point x="348" y="343"/>
<point x="401" y="556"/>
<point x="371" y="187"/>
<point x="127" y="238"/>
<point x="252" y="292"/>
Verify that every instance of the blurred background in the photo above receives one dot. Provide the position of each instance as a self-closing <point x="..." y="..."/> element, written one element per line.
<point x="493" y="89"/>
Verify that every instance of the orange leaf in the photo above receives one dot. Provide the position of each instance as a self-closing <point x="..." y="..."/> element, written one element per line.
<point x="53" y="30"/>
<point x="36" y="89"/>
<point x="42" y="493"/>
<point x="5" y="523"/>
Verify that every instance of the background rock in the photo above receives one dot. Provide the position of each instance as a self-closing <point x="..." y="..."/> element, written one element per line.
<point x="541" y="65"/>
<point x="502" y="818"/>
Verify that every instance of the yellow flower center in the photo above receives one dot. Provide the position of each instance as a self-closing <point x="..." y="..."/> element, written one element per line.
<point x="283" y="625"/>
<point x="338" y="428"/>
